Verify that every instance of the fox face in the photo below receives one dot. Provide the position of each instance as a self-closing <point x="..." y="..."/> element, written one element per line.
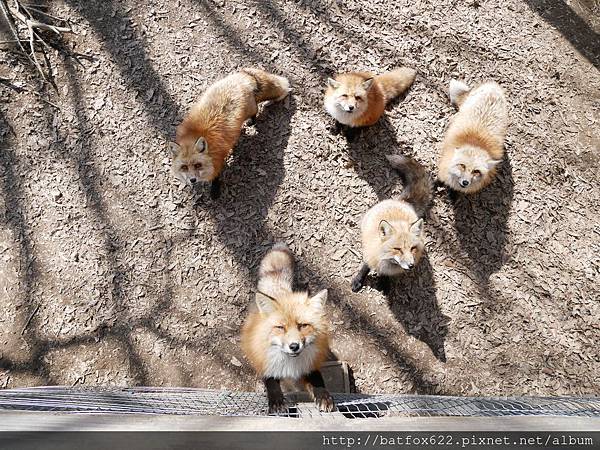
<point x="401" y="246"/>
<point x="292" y="324"/>
<point x="349" y="97"/>
<point x="192" y="163"/>
<point x="470" y="166"/>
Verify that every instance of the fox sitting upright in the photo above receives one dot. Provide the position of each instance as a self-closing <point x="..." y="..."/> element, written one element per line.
<point x="358" y="99"/>
<point x="474" y="141"/>
<point x="286" y="336"/>
<point x="212" y="127"/>
<point x="392" y="230"/>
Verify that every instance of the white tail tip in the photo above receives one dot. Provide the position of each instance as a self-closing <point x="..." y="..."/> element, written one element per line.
<point x="456" y="89"/>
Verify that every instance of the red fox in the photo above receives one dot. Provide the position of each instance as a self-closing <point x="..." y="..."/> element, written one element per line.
<point x="212" y="127"/>
<point x="358" y="99"/>
<point x="286" y="335"/>
<point x="392" y="230"/>
<point x="474" y="141"/>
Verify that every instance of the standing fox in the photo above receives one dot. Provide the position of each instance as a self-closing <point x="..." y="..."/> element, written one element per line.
<point x="392" y="230"/>
<point x="212" y="127"/>
<point x="474" y="142"/>
<point x="286" y="336"/>
<point x="358" y="99"/>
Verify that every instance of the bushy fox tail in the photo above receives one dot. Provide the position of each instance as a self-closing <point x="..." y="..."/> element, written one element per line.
<point x="268" y="86"/>
<point x="395" y="82"/>
<point x="458" y="92"/>
<point x="276" y="272"/>
<point x="416" y="180"/>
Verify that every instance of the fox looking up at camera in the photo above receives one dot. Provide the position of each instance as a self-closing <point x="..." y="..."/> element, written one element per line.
<point x="473" y="145"/>
<point x="358" y="99"/>
<point x="213" y="125"/>
<point x="392" y="230"/>
<point x="285" y="335"/>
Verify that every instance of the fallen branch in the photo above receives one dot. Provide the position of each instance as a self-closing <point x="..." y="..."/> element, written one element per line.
<point x="16" y="12"/>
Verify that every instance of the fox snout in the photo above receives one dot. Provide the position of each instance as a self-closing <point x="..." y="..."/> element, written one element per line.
<point x="295" y="347"/>
<point x="406" y="264"/>
<point x="464" y="182"/>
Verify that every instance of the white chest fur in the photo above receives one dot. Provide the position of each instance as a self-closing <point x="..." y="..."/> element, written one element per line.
<point x="280" y="365"/>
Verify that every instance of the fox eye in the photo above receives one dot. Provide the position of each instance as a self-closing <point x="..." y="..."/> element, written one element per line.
<point x="414" y="248"/>
<point x="358" y="97"/>
<point x="344" y="96"/>
<point x="198" y="166"/>
<point x="302" y="326"/>
<point x="461" y="166"/>
<point x="477" y="172"/>
<point x="184" y="168"/>
<point x="279" y="327"/>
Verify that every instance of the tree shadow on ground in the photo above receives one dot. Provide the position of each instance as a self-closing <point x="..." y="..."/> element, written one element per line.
<point x="574" y="28"/>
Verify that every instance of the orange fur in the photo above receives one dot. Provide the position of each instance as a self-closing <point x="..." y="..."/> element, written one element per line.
<point x="218" y="117"/>
<point x="369" y="102"/>
<point x="474" y="141"/>
<point x="292" y="310"/>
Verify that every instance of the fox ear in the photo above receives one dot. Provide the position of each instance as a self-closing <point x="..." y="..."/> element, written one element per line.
<point x="266" y="304"/>
<point x="385" y="229"/>
<point x="493" y="163"/>
<point x="200" y="145"/>
<point x="367" y="84"/>
<point x="416" y="227"/>
<point x="174" y="149"/>
<point x="334" y="84"/>
<point x="318" y="301"/>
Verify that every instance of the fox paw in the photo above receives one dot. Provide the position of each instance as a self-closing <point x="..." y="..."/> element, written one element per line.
<point x="324" y="400"/>
<point x="357" y="284"/>
<point x="277" y="405"/>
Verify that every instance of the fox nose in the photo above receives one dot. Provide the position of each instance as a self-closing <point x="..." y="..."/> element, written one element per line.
<point x="411" y="265"/>
<point x="192" y="180"/>
<point x="464" y="183"/>
<point x="294" y="346"/>
<point x="350" y="107"/>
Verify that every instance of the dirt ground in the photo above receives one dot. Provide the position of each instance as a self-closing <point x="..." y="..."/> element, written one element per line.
<point x="111" y="273"/>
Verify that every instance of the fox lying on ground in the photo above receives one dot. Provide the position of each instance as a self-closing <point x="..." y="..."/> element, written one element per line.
<point x="474" y="141"/>
<point x="286" y="336"/>
<point x="358" y="99"/>
<point x="392" y="230"/>
<point x="212" y="127"/>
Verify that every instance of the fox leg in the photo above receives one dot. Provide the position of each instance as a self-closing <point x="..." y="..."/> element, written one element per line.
<point x="359" y="280"/>
<point x="352" y="133"/>
<point x="275" y="396"/>
<point x="316" y="387"/>
<point x="335" y="128"/>
<point x="215" y="188"/>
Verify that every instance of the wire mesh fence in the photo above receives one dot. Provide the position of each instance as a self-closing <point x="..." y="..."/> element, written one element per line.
<point x="185" y="401"/>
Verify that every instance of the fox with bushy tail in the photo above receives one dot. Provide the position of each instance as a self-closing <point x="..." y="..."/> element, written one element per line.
<point x="358" y="99"/>
<point x="473" y="145"/>
<point x="392" y="230"/>
<point x="210" y="130"/>
<point x="286" y="335"/>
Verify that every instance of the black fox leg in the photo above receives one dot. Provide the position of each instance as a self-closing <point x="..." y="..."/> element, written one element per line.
<point x="359" y="280"/>
<point x="352" y="133"/>
<point x="275" y="395"/>
<point x="316" y="387"/>
<point x="335" y="127"/>
<point x="384" y="284"/>
<point x="215" y="188"/>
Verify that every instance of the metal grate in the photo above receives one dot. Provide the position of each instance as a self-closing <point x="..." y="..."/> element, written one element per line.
<point x="185" y="401"/>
